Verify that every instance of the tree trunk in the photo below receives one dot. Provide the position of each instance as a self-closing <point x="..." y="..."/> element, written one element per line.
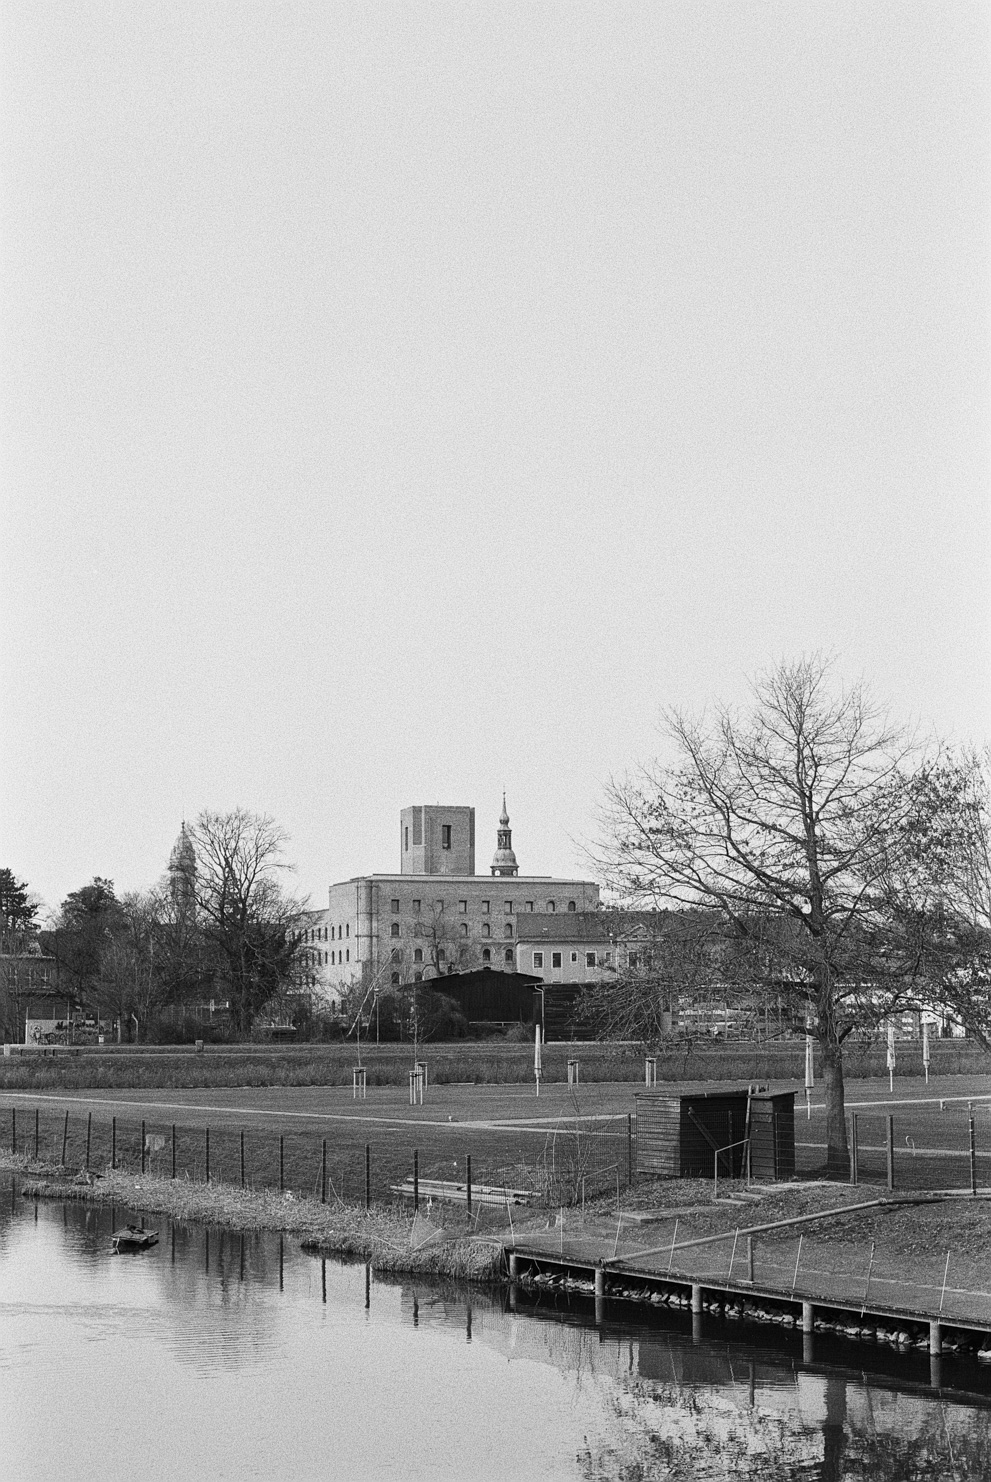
<point x="837" y="1148"/>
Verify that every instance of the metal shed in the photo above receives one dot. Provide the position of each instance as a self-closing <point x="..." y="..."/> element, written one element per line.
<point x="680" y="1136"/>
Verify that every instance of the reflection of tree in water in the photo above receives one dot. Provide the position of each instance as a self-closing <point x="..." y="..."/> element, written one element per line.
<point x="675" y="1435"/>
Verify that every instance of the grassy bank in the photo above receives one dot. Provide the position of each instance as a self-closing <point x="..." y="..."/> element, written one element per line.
<point x="479" y="1064"/>
<point x="384" y="1237"/>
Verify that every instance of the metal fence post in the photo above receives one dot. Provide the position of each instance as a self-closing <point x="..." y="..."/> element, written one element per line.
<point x="368" y="1176"/>
<point x="416" y="1178"/>
<point x="208" y="1155"/>
<point x="629" y="1149"/>
<point x="854" y="1150"/>
<point x="891" y="1152"/>
<point x="89" y="1131"/>
<point x="242" y="1157"/>
<point x="113" y="1142"/>
<point x="143" y="1140"/>
<point x="36" y="1132"/>
<point x="973" y="1157"/>
<point x="13" y="1129"/>
<point x="323" y="1169"/>
<point x="468" y="1180"/>
<point x="173" y="1149"/>
<point x="282" y="1161"/>
<point x="65" y="1138"/>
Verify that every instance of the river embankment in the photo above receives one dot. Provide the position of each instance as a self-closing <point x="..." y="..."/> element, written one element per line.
<point x="391" y="1239"/>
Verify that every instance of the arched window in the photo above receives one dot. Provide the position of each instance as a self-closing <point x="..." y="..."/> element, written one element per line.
<point x="395" y="980"/>
<point x="486" y="930"/>
<point x="507" y="930"/>
<point x="464" y="928"/>
<point x="509" y="955"/>
<point x="395" y="929"/>
<point x="418" y="955"/>
<point x="396" y="954"/>
<point x="486" y="955"/>
<point x="441" y="954"/>
<point x="551" y="907"/>
<point x="572" y="906"/>
<point x="417" y="977"/>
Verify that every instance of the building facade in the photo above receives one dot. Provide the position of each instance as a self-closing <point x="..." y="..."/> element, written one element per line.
<point x="425" y="922"/>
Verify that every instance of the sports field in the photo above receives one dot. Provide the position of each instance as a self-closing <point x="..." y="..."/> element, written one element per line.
<point x="515" y="1138"/>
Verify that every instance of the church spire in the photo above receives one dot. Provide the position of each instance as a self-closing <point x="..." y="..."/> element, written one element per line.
<point x="504" y="860"/>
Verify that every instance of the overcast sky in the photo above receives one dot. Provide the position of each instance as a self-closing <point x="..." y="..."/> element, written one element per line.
<point x="403" y="401"/>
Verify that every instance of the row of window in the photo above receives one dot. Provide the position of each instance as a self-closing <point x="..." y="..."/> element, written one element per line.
<point x="591" y="959"/>
<point x="320" y="933"/>
<point x="463" y="931"/>
<point x="484" y="906"/>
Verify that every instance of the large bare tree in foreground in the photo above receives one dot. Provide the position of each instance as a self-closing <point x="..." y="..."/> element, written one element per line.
<point x="805" y="823"/>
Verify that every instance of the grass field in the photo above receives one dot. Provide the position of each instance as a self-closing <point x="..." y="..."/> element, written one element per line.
<point x="571" y="1142"/>
<point x="490" y="1062"/>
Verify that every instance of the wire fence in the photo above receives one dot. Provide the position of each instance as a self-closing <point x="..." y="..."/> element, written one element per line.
<point x="943" y="1283"/>
<point x="564" y="1166"/>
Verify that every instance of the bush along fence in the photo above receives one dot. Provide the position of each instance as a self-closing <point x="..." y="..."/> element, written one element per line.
<point x="566" y="1167"/>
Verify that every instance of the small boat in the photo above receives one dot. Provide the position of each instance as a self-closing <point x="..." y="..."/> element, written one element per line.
<point x="132" y="1238"/>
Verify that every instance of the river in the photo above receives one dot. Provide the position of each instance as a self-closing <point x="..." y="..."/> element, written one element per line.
<point x="226" y="1356"/>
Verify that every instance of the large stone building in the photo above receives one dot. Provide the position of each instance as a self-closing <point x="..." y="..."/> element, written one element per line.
<point x="435" y="915"/>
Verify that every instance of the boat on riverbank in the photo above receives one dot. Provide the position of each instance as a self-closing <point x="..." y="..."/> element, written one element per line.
<point x="133" y="1238"/>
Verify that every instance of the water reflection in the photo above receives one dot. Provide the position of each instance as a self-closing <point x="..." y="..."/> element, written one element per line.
<point x="227" y="1354"/>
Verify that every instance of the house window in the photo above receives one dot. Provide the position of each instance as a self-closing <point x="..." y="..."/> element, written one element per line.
<point x="347" y="930"/>
<point x="574" y="956"/>
<point x="486" y="955"/>
<point x="507" y="907"/>
<point x="395" y="980"/>
<point x="509" y="956"/>
<point x="332" y="959"/>
<point x="463" y="907"/>
<point x="441" y="954"/>
<point x="416" y="905"/>
<point x="332" y="934"/>
<point x="445" y="836"/>
<point x="590" y="959"/>
<point x="538" y="959"/>
<point x="395" y="903"/>
<point x="395" y="929"/>
<point x="396" y="954"/>
<point x="417" y="977"/>
<point x="555" y="959"/>
<point x="572" y="906"/>
<point x="464" y="928"/>
<point x="418" y="955"/>
<point x="348" y="954"/>
<point x="528" y="905"/>
<point x="633" y="959"/>
<point x="438" y="905"/>
<point x="551" y="907"/>
<point x="406" y="839"/>
<point x="485" y="907"/>
<point x="486" y="929"/>
<point x="507" y="930"/>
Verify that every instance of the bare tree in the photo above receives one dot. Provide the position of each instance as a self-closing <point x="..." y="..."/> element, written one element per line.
<point x="251" y="926"/>
<point x="791" y="821"/>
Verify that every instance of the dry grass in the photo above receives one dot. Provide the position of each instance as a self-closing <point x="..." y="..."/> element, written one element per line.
<point x="381" y="1236"/>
